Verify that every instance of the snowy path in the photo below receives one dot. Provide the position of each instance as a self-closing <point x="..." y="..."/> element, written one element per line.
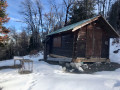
<point x="51" y="77"/>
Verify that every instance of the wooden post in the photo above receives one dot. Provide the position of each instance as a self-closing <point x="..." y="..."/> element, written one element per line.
<point x="14" y="62"/>
<point x="32" y="66"/>
<point x="75" y="44"/>
<point x="45" y="51"/>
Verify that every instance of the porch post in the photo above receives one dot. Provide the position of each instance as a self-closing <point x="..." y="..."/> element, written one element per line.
<point x="45" y="51"/>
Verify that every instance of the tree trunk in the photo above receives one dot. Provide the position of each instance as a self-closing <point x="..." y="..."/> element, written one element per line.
<point x="67" y="11"/>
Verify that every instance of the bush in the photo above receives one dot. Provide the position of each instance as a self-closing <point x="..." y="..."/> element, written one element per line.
<point x="33" y="52"/>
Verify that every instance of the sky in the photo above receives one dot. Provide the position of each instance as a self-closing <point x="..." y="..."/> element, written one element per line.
<point x="13" y="11"/>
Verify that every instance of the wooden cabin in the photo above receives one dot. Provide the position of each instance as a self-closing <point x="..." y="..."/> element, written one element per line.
<point x="84" y="41"/>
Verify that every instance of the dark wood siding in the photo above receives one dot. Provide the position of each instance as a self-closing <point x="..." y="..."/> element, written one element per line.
<point x="97" y="42"/>
<point x="66" y="48"/>
<point x="57" y="41"/>
<point x="81" y="43"/>
<point x="94" y="41"/>
<point x="89" y="41"/>
<point x="105" y="45"/>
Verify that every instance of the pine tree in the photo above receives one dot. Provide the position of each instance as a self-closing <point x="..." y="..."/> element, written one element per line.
<point x="81" y="10"/>
<point x="114" y="16"/>
<point x="3" y="19"/>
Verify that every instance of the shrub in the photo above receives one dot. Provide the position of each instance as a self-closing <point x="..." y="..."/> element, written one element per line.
<point x="33" y="52"/>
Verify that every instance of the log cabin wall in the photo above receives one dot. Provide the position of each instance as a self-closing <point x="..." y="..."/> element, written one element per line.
<point x="97" y="40"/>
<point x="94" y="41"/>
<point x="105" y="45"/>
<point x="81" y="43"/>
<point x="105" y="40"/>
<point x="85" y="44"/>
<point x="91" y="42"/>
<point x="66" y="48"/>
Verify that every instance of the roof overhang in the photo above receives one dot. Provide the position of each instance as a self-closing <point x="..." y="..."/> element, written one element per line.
<point x="86" y="23"/>
<point x="94" y="19"/>
<point x="112" y="29"/>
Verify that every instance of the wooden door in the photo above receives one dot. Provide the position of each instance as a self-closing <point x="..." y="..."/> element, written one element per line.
<point x="89" y="41"/>
<point x="97" y="42"/>
<point x="93" y="42"/>
<point x="81" y="43"/>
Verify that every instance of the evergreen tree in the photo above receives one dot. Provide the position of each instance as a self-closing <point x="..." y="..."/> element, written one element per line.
<point x="81" y="10"/>
<point x="3" y="19"/>
<point x="114" y="16"/>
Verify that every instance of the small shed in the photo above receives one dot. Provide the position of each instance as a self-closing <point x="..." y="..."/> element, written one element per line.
<point x="84" y="41"/>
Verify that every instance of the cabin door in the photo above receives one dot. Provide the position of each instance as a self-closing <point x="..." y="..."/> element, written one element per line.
<point x="93" y="42"/>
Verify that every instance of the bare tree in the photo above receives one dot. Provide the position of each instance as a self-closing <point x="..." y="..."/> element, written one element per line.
<point x="54" y="18"/>
<point x="67" y="4"/>
<point x="101" y="6"/>
<point x="19" y="42"/>
<point x="49" y="21"/>
<point x="104" y="7"/>
<point x="109" y="5"/>
<point x="58" y="14"/>
<point x="33" y="18"/>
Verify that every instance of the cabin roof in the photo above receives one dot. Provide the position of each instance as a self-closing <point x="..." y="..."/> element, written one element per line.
<point x="81" y="24"/>
<point x="70" y="27"/>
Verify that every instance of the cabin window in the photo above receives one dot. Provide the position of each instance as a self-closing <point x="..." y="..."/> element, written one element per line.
<point x="57" y="41"/>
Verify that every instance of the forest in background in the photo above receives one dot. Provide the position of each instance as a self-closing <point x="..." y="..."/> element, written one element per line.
<point x="59" y="14"/>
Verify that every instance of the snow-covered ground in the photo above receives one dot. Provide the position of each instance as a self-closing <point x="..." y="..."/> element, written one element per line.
<point x="51" y="77"/>
<point x="114" y="57"/>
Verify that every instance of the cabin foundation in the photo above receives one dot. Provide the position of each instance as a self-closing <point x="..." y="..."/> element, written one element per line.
<point x="91" y="60"/>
